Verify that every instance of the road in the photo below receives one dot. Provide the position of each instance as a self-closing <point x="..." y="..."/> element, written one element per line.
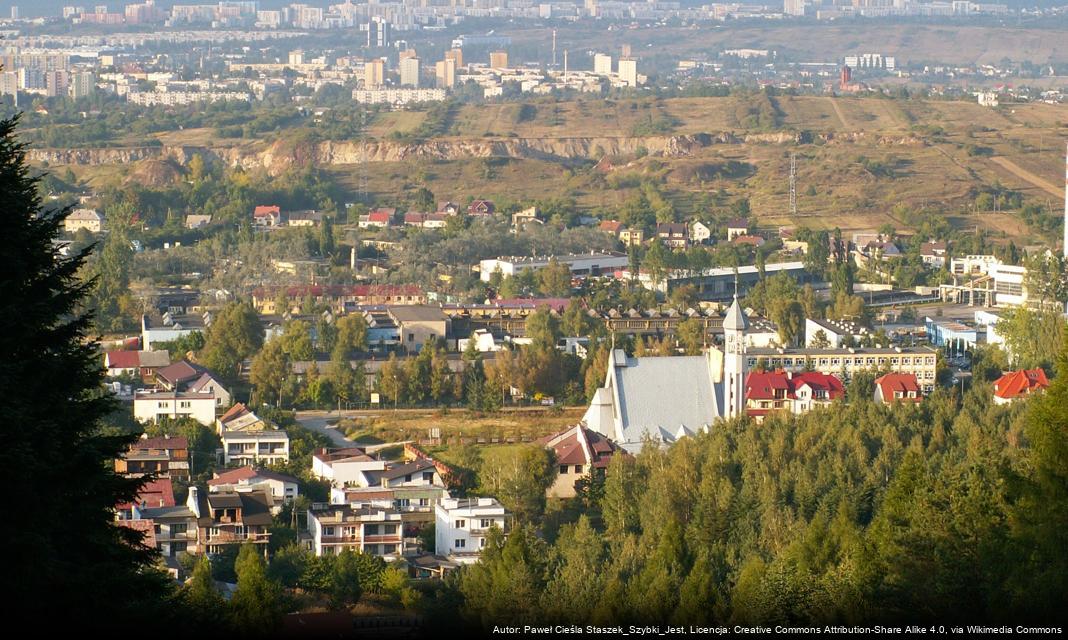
<point x="317" y="421"/>
<point x="1027" y="176"/>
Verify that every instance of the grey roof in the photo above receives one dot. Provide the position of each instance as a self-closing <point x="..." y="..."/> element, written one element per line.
<point x="404" y="469"/>
<point x="417" y="313"/>
<point x="735" y="318"/>
<point x="661" y="396"/>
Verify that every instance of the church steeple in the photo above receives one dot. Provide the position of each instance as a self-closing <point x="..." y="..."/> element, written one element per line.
<point x="734" y="362"/>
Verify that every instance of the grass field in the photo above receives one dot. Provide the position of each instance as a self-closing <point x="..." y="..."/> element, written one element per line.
<point x="501" y="428"/>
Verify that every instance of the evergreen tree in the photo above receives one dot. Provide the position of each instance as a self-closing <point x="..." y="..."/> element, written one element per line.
<point x="70" y="557"/>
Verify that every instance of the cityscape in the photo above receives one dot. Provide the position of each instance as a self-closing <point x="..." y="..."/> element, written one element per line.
<point x="511" y="318"/>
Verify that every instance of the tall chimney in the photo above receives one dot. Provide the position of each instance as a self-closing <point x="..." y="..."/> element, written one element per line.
<point x="1065" y="247"/>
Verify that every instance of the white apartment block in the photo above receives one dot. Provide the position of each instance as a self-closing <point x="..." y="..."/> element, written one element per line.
<point x="845" y="362"/>
<point x="462" y="524"/>
<point x="376" y="531"/>
<point x="153" y="406"/>
<point x="397" y="96"/>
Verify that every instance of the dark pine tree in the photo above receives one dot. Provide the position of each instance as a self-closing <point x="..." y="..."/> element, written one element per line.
<point x="68" y="565"/>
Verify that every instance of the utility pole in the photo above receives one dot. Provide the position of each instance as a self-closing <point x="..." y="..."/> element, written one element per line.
<point x="793" y="184"/>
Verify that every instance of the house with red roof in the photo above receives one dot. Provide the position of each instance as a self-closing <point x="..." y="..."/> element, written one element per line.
<point x="1015" y="385"/>
<point x="580" y="453"/>
<point x="267" y="216"/>
<point x="162" y="456"/>
<point x="797" y="393"/>
<point x="481" y="208"/>
<point x="381" y="217"/>
<point x="141" y="364"/>
<point x="897" y="387"/>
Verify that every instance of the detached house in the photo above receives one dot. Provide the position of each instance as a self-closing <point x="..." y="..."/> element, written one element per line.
<point x="462" y="524"/>
<point x="345" y="467"/>
<point x="249" y="440"/>
<point x="372" y="530"/>
<point x="1019" y="384"/>
<point x="700" y="233"/>
<point x="267" y="216"/>
<point x="163" y="456"/>
<point x="674" y="235"/>
<point x="381" y="218"/>
<point x="89" y="219"/>
<point x="481" y="208"/>
<point x="580" y="453"/>
<point x="737" y="227"/>
<point x="797" y="393"/>
<point x="897" y="387"/>
<point x="229" y="517"/>
<point x="284" y="489"/>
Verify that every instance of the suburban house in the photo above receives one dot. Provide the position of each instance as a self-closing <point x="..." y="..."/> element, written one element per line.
<point x="207" y="383"/>
<point x="450" y="208"/>
<point x="632" y="237"/>
<point x="247" y="439"/>
<point x="230" y="517"/>
<point x="415" y="503"/>
<point x="173" y="528"/>
<point x="139" y="364"/>
<point x="284" y="489"/>
<point x="153" y="406"/>
<point x="933" y="254"/>
<point x="89" y="219"/>
<point x="700" y="233"/>
<point x="372" y="530"/>
<point x="481" y="208"/>
<point x="345" y="467"/>
<point x="527" y="216"/>
<point x="461" y="526"/>
<point x="157" y="492"/>
<point x="580" y="453"/>
<point x="752" y="240"/>
<point x="737" y="227"/>
<point x="897" y="387"/>
<point x="308" y="218"/>
<point x="832" y="333"/>
<point x="1015" y="385"/>
<point x="162" y="456"/>
<point x="672" y="234"/>
<point x="797" y="393"/>
<point x="381" y="218"/>
<point x="267" y="216"/>
<point x="612" y="227"/>
<point x="419" y="325"/>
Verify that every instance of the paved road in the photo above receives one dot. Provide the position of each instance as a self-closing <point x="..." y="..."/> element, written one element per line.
<point x="318" y="421"/>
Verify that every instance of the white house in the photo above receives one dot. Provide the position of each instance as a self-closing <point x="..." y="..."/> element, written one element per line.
<point x="283" y="488"/>
<point x="207" y="383"/>
<point x="345" y="467"/>
<point x="153" y="406"/>
<point x="376" y="531"/>
<point x="832" y="331"/>
<point x="461" y="526"/>
<point x="700" y="233"/>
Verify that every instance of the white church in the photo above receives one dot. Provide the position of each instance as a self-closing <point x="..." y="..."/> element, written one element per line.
<point x="667" y="398"/>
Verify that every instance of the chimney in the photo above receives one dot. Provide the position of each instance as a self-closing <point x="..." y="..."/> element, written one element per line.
<point x="193" y="501"/>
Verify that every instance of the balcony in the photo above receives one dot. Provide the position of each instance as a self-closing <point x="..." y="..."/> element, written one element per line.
<point x="224" y="537"/>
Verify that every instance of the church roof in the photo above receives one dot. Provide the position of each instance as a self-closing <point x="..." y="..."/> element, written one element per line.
<point x="665" y="396"/>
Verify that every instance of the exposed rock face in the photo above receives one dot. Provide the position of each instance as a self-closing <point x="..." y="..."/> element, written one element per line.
<point x="282" y="155"/>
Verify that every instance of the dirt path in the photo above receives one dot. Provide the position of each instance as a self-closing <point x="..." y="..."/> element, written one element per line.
<point x="1027" y="176"/>
<point x="838" y="112"/>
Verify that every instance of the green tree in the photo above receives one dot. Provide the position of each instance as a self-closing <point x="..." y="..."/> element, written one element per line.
<point x="691" y="334"/>
<point x="53" y="361"/>
<point x="518" y="478"/>
<point x="555" y="279"/>
<point x="235" y="334"/>
<point x="351" y="335"/>
<point x="255" y="608"/>
<point x="269" y="371"/>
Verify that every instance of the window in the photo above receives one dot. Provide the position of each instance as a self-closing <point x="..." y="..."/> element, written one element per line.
<point x="459" y="543"/>
<point x="328" y="531"/>
<point x="411" y="337"/>
<point x="563" y="469"/>
<point x="460" y="524"/>
<point x="428" y="477"/>
<point x="578" y="468"/>
<point x="482" y="543"/>
<point x="487" y="523"/>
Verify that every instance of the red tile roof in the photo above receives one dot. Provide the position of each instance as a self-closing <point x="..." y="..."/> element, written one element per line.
<point x="122" y="359"/>
<point x="157" y="493"/>
<point x="893" y="383"/>
<point x="262" y="211"/>
<point x="612" y="226"/>
<point x="569" y="449"/>
<point x="763" y="385"/>
<point x="235" y="476"/>
<point x="1017" y="384"/>
<point x="233" y="412"/>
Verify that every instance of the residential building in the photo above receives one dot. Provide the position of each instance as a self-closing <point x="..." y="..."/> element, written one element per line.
<point x="247" y="439"/>
<point x="419" y="325"/>
<point x="267" y="216"/>
<point x="415" y="503"/>
<point x="153" y="406"/>
<point x="498" y="59"/>
<point x="397" y="96"/>
<point x="602" y="64"/>
<point x="381" y="218"/>
<point x="462" y="524"/>
<point x="341" y="298"/>
<point x="1015" y="385"/>
<point x="628" y="71"/>
<point x="580" y="453"/>
<point x="630" y="407"/>
<point x="89" y="219"/>
<point x="674" y="235"/>
<point x="140" y="364"/>
<point x="796" y="393"/>
<point x="737" y="227"/>
<point x="374" y="74"/>
<point x="700" y="233"/>
<point x="174" y="528"/>
<point x="196" y="221"/>
<point x="897" y="387"/>
<point x="350" y="467"/>
<point x="335" y="528"/>
<point x="481" y="208"/>
<point x="845" y="362"/>
<point x="933" y="254"/>
<point x="409" y="72"/>
<point x="632" y="237"/>
<point x="231" y="518"/>
<point x="284" y="488"/>
<point x="445" y="73"/>
<point x="309" y="218"/>
<point x="163" y="456"/>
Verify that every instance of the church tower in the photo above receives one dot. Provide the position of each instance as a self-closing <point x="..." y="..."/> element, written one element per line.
<point x="734" y="363"/>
